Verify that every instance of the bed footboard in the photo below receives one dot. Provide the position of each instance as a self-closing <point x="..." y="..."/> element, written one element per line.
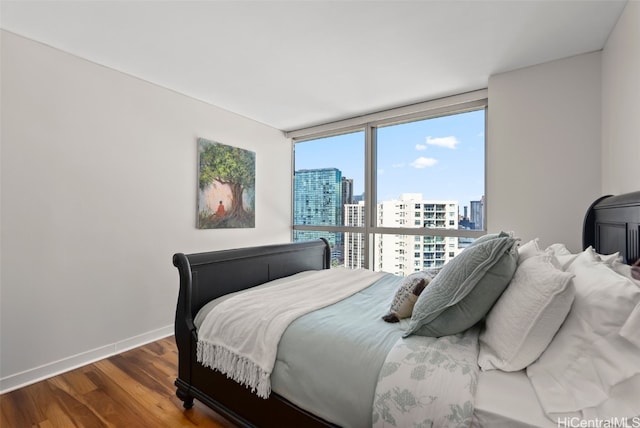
<point x="206" y="276"/>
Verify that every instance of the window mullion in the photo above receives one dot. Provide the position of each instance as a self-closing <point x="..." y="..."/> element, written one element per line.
<point x="369" y="192"/>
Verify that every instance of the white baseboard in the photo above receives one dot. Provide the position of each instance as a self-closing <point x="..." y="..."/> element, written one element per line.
<point x="46" y="371"/>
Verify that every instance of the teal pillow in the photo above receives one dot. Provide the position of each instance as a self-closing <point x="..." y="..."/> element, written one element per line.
<point x="488" y="237"/>
<point x="465" y="289"/>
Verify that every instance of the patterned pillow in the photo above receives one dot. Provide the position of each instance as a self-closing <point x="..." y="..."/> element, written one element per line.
<point x="407" y="295"/>
<point x="465" y="289"/>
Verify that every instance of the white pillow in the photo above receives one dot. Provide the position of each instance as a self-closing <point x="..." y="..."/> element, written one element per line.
<point x="529" y="249"/>
<point x="631" y="329"/>
<point x="624" y="270"/>
<point x="610" y="259"/>
<point x="563" y="255"/>
<point x="566" y="257"/>
<point x="527" y="316"/>
<point x="595" y="356"/>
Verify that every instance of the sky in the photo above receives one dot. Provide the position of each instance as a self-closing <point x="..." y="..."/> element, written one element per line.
<point x="442" y="158"/>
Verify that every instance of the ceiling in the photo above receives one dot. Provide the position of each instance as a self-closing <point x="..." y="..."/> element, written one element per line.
<point x="293" y="64"/>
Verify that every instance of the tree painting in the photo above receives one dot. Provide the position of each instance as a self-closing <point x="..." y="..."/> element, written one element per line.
<point x="226" y="186"/>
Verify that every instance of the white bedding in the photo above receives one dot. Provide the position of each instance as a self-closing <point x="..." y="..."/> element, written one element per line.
<point x="592" y="367"/>
<point x="507" y="399"/>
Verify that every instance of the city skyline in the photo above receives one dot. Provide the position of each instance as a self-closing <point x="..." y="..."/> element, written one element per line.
<point x="321" y="197"/>
<point x="464" y="208"/>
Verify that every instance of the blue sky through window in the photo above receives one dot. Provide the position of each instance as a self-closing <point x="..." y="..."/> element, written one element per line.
<point x="442" y="158"/>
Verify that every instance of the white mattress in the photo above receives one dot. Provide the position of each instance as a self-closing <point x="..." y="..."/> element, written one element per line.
<point x="507" y="400"/>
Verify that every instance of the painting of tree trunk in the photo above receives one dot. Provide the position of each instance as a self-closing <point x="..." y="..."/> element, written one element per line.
<point x="226" y="186"/>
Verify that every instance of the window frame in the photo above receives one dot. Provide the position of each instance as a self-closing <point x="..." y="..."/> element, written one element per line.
<point x="462" y="103"/>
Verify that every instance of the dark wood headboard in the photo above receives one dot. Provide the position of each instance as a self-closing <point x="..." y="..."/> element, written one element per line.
<point x="612" y="224"/>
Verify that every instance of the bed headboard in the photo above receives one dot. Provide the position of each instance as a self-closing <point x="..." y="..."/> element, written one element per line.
<point x="612" y="224"/>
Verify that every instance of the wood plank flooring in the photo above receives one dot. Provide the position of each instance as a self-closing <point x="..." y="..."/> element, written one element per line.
<point x="132" y="389"/>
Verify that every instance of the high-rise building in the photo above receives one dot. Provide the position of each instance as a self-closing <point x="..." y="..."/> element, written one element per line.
<point x="477" y="214"/>
<point x="347" y="191"/>
<point x="405" y="254"/>
<point x="354" y="242"/>
<point x="318" y="202"/>
<point x="318" y="197"/>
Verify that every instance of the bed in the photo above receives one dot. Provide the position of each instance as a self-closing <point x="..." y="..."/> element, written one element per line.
<point x="505" y="390"/>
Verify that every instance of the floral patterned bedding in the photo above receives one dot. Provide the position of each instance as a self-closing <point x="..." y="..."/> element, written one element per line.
<point x="428" y="382"/>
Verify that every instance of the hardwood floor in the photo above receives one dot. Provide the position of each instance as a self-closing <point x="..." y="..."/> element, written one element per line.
<point x="132" y="389"/>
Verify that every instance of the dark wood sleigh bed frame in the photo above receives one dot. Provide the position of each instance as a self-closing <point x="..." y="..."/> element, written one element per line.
<point x="612" y="223"/>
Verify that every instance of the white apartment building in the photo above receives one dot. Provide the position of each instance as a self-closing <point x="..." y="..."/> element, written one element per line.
<point x="354" y="242"/>
<point x="404" y="254"/>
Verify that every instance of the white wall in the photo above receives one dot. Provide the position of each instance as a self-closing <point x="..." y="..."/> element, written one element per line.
<point x="98" y="192"/>
<point x="543" y="158"/>
<point x="621" y="105"/>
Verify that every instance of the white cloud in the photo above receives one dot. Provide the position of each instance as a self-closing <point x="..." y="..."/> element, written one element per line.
<point x="423" y="162"/>
<point x="421" y="147"/>
<point x="449" y="142"/>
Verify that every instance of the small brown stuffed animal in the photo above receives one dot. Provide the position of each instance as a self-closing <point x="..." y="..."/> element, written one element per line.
<point x="406" y="298"/>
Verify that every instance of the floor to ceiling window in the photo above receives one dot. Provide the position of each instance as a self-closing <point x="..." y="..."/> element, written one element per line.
<point x="400" y="193"/>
